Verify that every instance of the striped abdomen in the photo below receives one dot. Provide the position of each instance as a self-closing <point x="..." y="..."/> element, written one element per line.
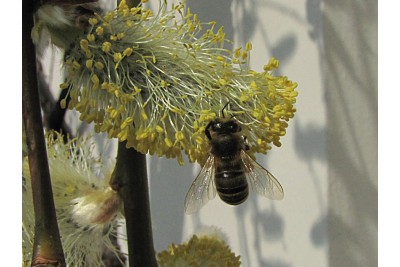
<point x="230" y="180"/>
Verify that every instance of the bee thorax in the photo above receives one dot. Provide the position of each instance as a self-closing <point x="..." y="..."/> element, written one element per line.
<point x="226" y="146"/>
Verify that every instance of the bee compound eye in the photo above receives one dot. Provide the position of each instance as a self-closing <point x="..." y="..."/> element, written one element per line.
<point x="234" y="127"/>
<point x="217" y="125"/>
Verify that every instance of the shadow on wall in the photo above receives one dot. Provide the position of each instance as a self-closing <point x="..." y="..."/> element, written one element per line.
<point x="168" y="186"/>
<point x="310" y="145"/>
<point x="247" y="22"/>
<point x="214" y="10"/>
<point x="267" y="223"/>
<point x="351" y="62"/>
<point x="168" y="189"/>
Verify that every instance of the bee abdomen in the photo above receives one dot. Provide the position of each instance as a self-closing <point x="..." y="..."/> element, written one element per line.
<point x="232" y="187"/>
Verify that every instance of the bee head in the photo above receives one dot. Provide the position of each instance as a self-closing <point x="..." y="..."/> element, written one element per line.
<point x="222" y="126"/>
<point x="225" y="127"/>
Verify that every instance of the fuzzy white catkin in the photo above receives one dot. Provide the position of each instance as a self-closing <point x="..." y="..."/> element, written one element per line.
<point x="87" y="208"/>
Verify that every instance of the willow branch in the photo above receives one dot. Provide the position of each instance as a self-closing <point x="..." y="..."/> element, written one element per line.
<point x="47" y="248"/>
<point x="131" y="3"/>
<point x="130" y="180"/>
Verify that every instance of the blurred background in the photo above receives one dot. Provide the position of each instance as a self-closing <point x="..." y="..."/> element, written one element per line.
<point x="328" y="160"/>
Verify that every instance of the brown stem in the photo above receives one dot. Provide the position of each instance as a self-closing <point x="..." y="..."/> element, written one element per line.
<point x="132" y="3"/>
<point x="47" y="248"/>
<point x="130" y="180"/>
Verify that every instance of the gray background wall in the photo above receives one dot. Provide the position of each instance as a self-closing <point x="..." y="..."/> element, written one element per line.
<point x="350" y="64"/>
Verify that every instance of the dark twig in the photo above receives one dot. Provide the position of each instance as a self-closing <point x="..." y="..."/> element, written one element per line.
<point x="132" y="3"/>
<point x="130" y="180"/>
<point x="47" y="248"/>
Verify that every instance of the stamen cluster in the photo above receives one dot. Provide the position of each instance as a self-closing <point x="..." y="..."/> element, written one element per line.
<point x="199" y="251"/>
<point x="157" y="80"/>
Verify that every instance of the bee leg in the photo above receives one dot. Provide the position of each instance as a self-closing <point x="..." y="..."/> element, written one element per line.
<point x="207" y="131"/>
<point x="246" y="145"/>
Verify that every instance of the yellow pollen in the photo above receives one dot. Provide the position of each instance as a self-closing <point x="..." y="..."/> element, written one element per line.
<point x="88" y="54"/>
<point x="277" y="108"/>
<point x="168" y="142"/>
<point x="93" y="21"/>
<point x="89" y="63"/>
<point x="95" y="80"/>
<point x="99" y="65"/>
<point x="159" y="129"/>
<point x="222" y="82"/>
<point x="244" y="55"/>
<point x="253" y="85"/>
<point x="144" y="115"/>
<point x="106" y="46"/>
<point x="123" y="135"/>
<point x="249" y="46"/>
<point x="126" y="122"/>
<point x="99" y="31"/>
<point x="272" y="64"/>
<point x="91" y="37"/>
<point x="63" y="103"/>
<point x="128" y="52"/>
<point x="179" y="136"/>
<point x="84" y="44"/>
<point x="64" y="86"/>
<point x="164" y="84"/>
<point x="129" y="23"/>
<point x="117" y="57"/>
<point x="199" y="140"/>
<point x="237" y="52"/>
<point x="76" y="65"/>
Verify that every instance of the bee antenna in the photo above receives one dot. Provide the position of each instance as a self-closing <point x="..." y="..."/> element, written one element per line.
<point x="222" y="110"/>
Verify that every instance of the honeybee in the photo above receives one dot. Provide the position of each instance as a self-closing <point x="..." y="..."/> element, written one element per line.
<point x="229" y="170"/>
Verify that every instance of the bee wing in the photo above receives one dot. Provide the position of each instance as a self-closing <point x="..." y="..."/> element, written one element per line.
<point x="261" y="180"/>
<point x="202" y="188"/>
